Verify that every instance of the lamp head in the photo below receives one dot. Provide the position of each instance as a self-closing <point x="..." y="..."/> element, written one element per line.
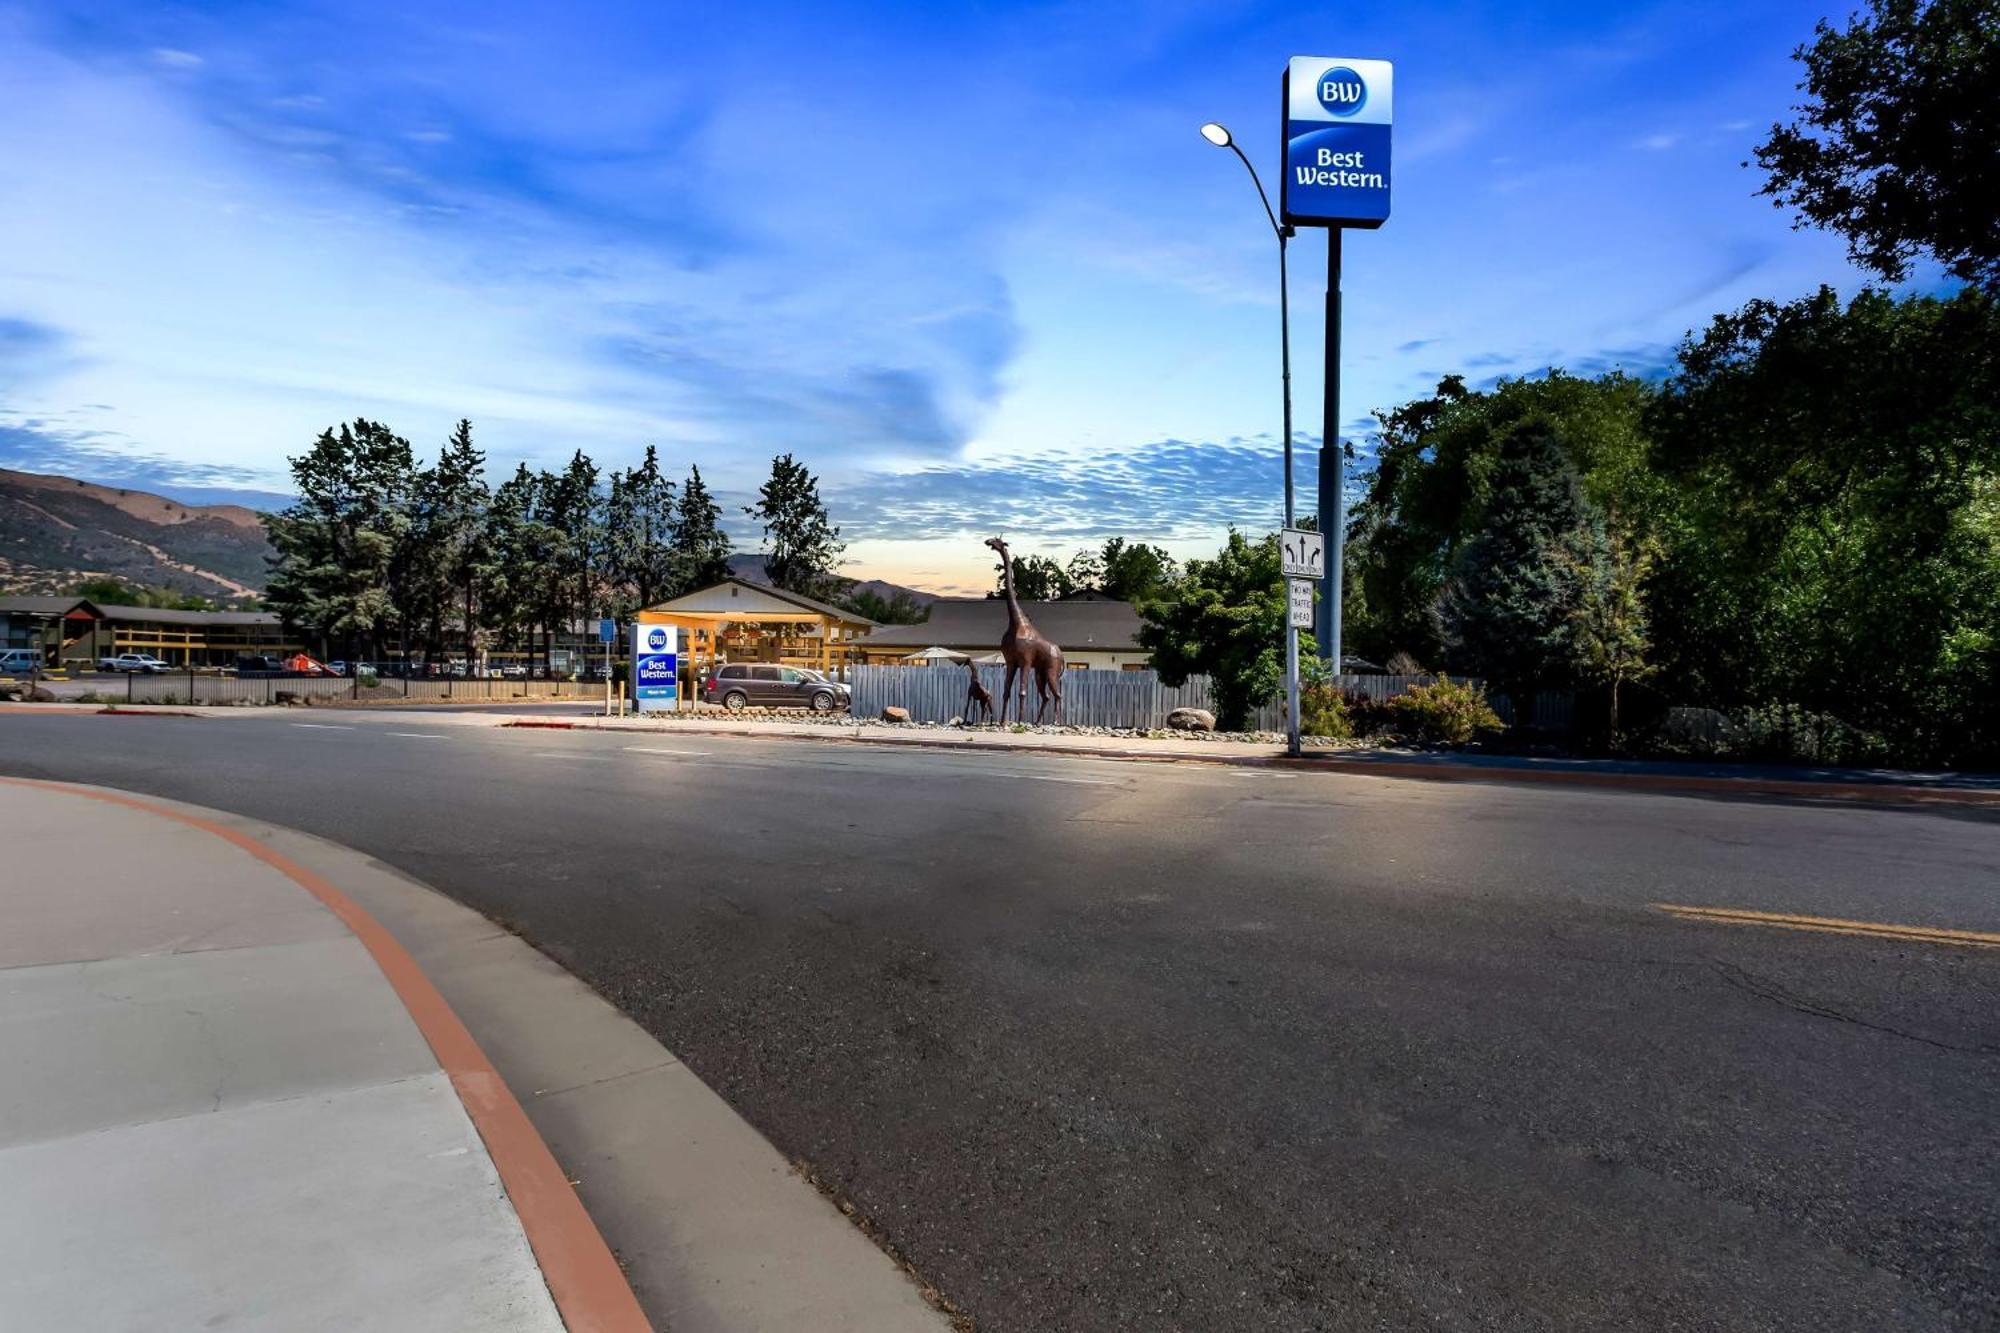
<point x="1216" y="133"/>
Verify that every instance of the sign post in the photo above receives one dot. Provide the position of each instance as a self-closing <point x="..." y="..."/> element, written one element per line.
<point x="607" y="634"/>
<point x="656" y="669"/>
<point x="1338" y="116"/>
<point x="1302" y="556"/>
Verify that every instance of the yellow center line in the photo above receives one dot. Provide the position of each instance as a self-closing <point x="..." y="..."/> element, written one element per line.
<point x="1738" y="916"/>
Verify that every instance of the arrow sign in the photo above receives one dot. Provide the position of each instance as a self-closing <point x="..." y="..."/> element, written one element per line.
<point x="1304" y="553"/>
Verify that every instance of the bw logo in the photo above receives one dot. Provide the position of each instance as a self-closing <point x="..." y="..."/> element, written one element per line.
<point x="1341" y="91"/>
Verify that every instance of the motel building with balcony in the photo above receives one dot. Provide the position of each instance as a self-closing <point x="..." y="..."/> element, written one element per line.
<point x="76" y="632"/>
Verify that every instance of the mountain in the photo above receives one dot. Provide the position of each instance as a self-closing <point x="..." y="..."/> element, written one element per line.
<point x="57" y="531"/>
<point x="749" y="565"/>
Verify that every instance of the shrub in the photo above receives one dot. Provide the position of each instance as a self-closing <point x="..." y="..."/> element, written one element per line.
<point x="1444" y="712"/>
<point x="1789" y="734"/>
<point x="1323" y="712"/>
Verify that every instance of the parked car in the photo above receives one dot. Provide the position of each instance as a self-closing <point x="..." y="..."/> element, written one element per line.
<point x="145" y="663"/>
<point x="740" y="685"/>
<point x="19" y="661"/>
<point x="337" y="668"/>
<point x="513" y="671"/>
<point x="259" y="665"/>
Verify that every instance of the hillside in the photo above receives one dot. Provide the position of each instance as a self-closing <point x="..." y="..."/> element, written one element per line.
<point x="56" y="531"/>
<point x="750" y="565"/>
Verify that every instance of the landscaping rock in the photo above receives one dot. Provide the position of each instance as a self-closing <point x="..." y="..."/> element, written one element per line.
<point x="1190" y="719"/>
<point x="894" y="714"/>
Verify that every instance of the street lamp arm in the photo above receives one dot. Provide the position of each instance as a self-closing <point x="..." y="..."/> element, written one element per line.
<point x="1283" y="232"/>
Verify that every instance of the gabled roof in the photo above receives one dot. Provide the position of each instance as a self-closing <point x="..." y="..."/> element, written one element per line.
<point x="976" y="623"/>
<point x="45" y="606"/>
<point x="741" y="599"/>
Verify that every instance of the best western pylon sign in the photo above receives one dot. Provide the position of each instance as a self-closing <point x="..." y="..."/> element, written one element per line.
<point x="1337" y="118"/>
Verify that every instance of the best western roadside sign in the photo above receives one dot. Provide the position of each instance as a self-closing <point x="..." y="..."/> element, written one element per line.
<point x="1337" y="118"/>
<point x="656" y="667"/>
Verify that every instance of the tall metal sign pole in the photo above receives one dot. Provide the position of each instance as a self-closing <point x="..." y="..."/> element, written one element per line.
<point x="1338" y="114"/>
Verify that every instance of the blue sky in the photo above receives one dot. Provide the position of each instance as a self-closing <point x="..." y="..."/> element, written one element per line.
<point x="972" y="263"/>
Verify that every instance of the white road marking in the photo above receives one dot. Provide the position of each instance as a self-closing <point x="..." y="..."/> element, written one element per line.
<point x="323" y="726"/>
<point x="564" y="754"/>
<point x="1051" y="777"/>
<point x="416" y="735"/>
<point x="654" y="749"/>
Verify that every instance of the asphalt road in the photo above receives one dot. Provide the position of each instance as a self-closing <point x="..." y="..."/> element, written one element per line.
<point x="1107" y="1046"/>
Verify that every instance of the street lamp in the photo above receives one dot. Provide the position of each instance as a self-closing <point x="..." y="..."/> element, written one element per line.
<point x="1219" y="135"/>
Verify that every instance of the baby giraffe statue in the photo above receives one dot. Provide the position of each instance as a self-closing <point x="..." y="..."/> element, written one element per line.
<point x="978" y="698"/>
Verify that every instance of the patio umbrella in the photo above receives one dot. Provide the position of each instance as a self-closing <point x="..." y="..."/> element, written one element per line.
<point x="935" y="654"/>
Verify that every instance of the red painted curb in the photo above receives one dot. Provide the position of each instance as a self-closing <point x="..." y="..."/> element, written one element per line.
<point x="589" y="1288"/>
<point x="543" y="726"/>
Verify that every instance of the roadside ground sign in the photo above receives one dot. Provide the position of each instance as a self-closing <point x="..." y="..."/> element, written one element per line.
<point x="1299" y="602"/>
<point x="656" y="667"/>
<point x="607" y="630"/>
<point x="1337" y="120"/>
<point x="1304" y="553"/>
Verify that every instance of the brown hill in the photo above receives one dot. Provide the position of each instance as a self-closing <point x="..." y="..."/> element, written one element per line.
<point x="56" y="531"/>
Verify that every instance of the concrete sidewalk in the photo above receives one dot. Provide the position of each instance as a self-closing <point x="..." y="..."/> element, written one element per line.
<point x="219" y="1111"/>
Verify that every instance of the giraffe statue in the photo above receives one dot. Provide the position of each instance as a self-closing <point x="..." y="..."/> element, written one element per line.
<point x="1026" y="651"/>
<point x="978" y="699"/>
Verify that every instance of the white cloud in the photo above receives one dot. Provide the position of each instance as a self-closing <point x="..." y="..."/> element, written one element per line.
<point x="175" y="59"/>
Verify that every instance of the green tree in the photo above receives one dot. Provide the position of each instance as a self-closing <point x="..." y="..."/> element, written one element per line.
<point x="506" y="571"/>
<point x="1428" y="489"/>
<point x="459" y="503"/>
<point x="639" y="520"/>
<point x="901" y="609"/>
<point x="700" y="546"/>
<point x="804" y="545"/>
<point x="1134" y="571"/>
<point x="1223" y="618"/>
<point x="109" y="591"/>
<point x="1507" y="607"/>
<point x="1900" y="125"/>
<point x="334" y="573"/>
<point x="1835" y="464"/>
<point x="1609" y="626"/>
<point x="1036" y="579"/>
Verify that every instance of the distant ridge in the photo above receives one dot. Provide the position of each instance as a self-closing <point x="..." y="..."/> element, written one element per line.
<point x="57" y="531"/>
<point x="750" y="565"/>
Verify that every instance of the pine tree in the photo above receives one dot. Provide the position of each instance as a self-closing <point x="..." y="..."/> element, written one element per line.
<point x="337" y="574"/>
<point x="638" y="534"/>
<point x="804" y="545"/>
<point x="700" y="546"/>
<point x="1507" y="608"/>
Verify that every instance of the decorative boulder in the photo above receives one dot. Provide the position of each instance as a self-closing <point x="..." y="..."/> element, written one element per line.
<point x="1190" y="719"/>
<point x="894" y="714"/>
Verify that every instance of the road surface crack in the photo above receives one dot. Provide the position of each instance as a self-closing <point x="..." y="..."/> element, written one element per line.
<point x="1766" y="989"/>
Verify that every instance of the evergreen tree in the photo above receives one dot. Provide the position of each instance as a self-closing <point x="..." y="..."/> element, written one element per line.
<point x="804" y="545"/>
<point x="336" y="573"/>
<point x="700" y="548"/>
<point x="459" y="505"/>
<point x="639" y="518"/>
<point x="1507" y="607"/>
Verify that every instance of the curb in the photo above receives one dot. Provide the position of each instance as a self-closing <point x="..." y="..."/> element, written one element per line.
<point x="583" y="1277"/>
